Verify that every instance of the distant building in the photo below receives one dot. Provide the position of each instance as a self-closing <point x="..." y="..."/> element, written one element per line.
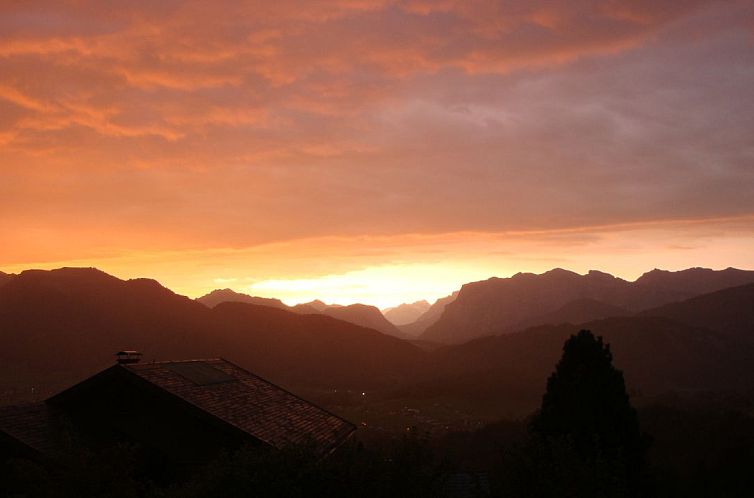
<point x="181" y="413"/>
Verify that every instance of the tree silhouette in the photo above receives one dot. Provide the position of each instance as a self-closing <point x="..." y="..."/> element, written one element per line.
<point x="586" y="426"/>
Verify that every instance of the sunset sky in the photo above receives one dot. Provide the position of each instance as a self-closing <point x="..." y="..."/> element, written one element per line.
<point x="374" y="151"/>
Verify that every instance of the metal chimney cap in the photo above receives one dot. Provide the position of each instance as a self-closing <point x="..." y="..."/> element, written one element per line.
<point x="128" y="357"/>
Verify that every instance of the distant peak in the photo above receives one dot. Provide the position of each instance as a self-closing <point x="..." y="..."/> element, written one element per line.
<point x="652" y="274"/>
<point x="447" y="299"/>
<point x="76" y="273"/>
<point x="317" y="305"/>
<point x="555" y="272"/>
<point x="67" y="270"/>
<point x="598" y="272"/>
<point x="600" y="275"/>
<point x="354" y="306"/>
<point x="657" y="272"/>
<point x="224" y="292"/>
<point x="560" y="272"/>
<point x="150" y="282"/>
<point x="219" y="296"/>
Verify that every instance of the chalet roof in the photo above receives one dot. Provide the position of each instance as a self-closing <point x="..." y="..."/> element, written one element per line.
<point x="224" y="392"/>
<point x="31" y="425"/>
<point x="238" y="397"/>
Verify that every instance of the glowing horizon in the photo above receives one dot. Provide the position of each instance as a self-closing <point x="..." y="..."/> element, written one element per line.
<point x="386" y="271"/>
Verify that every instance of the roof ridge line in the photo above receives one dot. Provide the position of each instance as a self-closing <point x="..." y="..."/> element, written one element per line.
<point x="165" y="362"/>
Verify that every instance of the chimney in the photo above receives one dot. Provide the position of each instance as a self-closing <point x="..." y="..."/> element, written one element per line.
<point x="128" y="357"/>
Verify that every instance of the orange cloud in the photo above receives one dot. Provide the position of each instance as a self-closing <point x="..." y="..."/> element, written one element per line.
<point x="187" y="126"/>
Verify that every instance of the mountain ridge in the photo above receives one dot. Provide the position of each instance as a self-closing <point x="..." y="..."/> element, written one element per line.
<point x="357" y="314"/>
<point x="406" y="313"/>
<point x="218" y="296"/>
<point x="429" y="317"/>
<point x="501" y="305"/>
<point x="62" y="325"/>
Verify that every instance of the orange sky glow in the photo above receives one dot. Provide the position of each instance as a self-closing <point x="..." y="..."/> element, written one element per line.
<point x="375" y="151"/>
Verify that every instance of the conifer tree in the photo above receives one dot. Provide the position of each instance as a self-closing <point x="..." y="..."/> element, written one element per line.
<point x="586" y="409"/>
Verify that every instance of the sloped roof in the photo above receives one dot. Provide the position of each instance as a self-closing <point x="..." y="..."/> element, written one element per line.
<point x="248" y="402"/>
<point x="31" y="425"/>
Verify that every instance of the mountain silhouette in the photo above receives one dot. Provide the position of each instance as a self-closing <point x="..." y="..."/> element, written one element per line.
<point x="657" y="355"/>
<point x="694" y="281"/>
<point x="697" y="345"/>
<point x="504" y="305"/>
<point x="315" y="305"/>
<point x="364" y="315"/>
<point x="429" y="317"/>
<point x="61" y="325"/>
<point x="5" y="277"/>
<point x="728" y="311"/>
<point x="406" y="313"/>
<point x="577" y="311"/>
<point x="218" y="296"/>
<point x="358" y="314"/>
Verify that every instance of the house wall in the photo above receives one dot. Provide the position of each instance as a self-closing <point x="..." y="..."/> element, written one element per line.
<point x="11" y="449"/>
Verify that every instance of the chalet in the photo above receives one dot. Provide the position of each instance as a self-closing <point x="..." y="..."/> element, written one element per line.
<point x="181" y="412"/>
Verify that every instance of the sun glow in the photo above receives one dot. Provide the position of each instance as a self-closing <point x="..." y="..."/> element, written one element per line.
<point x="385" y="271"/>
<point x="382" y="286"/>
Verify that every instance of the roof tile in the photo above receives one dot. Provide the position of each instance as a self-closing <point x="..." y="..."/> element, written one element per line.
<point x="248" y="402"/>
